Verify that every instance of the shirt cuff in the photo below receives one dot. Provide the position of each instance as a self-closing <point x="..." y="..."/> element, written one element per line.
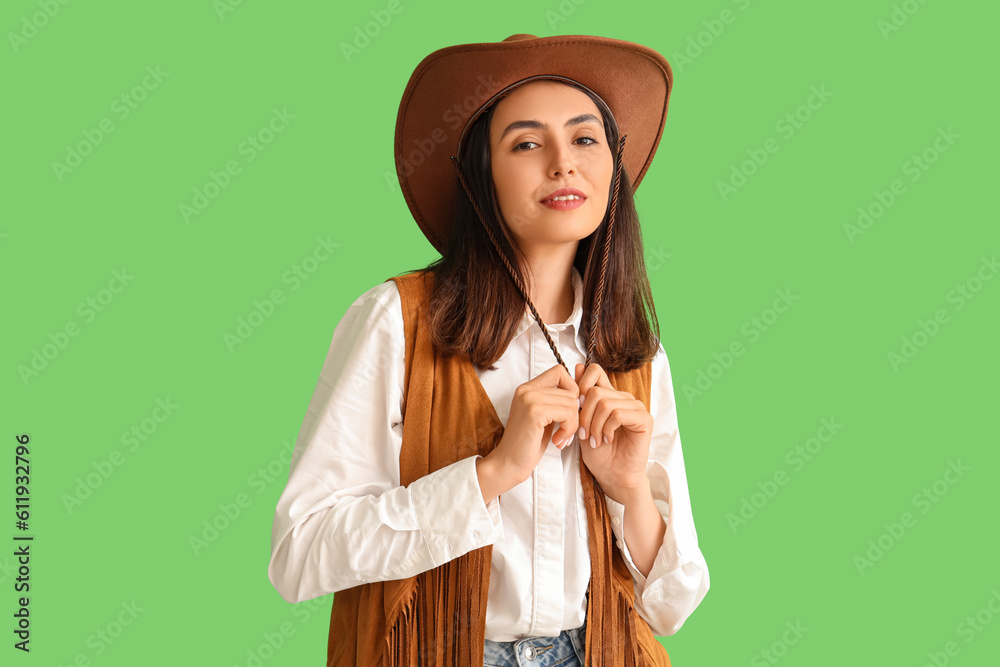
<point x="672" y="553"/>
<point x="451" y="514"/>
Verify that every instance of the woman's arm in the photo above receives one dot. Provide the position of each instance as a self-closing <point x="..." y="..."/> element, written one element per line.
<point x="677" y="578"/>
<point x="343" y="519"/>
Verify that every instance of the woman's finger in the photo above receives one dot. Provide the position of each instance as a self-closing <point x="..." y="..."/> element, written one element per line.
<point x="595" y="396"/>
<point x="614" y="413"/>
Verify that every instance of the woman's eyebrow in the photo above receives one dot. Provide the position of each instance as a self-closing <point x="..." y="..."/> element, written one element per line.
<point x="536" y="125"/>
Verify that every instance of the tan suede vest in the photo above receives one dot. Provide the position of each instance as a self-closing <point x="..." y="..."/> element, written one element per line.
<point x="439" y="617"/>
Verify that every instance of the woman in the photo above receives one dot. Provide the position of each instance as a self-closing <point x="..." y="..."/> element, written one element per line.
<point x="518" y="511"/>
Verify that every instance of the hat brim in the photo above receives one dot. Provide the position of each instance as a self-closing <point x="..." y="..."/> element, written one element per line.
<point x="452" y="84"/>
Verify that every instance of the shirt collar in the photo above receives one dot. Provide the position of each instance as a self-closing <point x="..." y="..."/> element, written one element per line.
<point x="574" y="319"/>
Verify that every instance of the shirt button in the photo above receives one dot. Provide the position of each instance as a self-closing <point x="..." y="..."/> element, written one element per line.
<point x="615" y="520"/>
<point x="529" y="653"/>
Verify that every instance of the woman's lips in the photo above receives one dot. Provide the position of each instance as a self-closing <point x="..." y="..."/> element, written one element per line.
<point x="564" y="199"/>
<point x="564" y="204"/>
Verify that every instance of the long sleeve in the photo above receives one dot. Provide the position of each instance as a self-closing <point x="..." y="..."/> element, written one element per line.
<point x="343" y="519"/>
<point x="678" y="580"/>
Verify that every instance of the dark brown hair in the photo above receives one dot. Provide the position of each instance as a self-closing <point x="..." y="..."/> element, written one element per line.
<point x="475" y="307"/>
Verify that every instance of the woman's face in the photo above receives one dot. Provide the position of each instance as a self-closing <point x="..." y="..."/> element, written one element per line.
<point x="546" y="137"/>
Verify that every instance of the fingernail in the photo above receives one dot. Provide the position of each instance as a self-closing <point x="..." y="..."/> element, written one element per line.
<point x="606" y="441"/>
<point x="581" y="400"/>
<point x="593" y="442"/>
<point x="583" y="433"/>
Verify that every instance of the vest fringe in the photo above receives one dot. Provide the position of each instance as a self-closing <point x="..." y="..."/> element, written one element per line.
<point x="433" y="625"/>
<point x="438" y="618"/>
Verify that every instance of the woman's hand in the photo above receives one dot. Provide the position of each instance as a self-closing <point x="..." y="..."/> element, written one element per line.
<point x="620" y="428"/>
<point x="550" y="397"/>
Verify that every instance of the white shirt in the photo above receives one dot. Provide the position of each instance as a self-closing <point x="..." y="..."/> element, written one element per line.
<point x="344" y="520"/>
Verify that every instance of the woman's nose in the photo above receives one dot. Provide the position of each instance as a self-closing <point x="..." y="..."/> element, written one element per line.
<point x="562" y="162"/>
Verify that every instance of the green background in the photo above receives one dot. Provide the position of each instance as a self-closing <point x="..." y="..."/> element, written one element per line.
<point x="716" y="262"/>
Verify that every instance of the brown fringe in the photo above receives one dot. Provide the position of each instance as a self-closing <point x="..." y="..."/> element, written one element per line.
<point x="435" y="625"/>
<point x="438" y="618"/>
<point x="612" y="638"/>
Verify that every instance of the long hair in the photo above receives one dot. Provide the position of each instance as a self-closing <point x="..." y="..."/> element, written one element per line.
<point x="475" y="307"/>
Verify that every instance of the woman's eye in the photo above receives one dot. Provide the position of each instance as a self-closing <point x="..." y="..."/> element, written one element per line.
<point x="526" y="145"/>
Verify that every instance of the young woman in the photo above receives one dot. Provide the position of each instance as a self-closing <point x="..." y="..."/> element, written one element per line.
<point x="468" y="501"/>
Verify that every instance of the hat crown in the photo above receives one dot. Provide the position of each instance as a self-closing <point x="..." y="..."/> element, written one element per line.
<point x="452" y="84"/>
<point x="520" y="37"/>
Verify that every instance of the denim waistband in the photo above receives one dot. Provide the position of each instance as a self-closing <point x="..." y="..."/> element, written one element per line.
<point x="566" y="650"/>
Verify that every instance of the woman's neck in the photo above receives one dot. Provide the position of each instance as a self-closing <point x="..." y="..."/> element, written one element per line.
<point x="551" y="286"/>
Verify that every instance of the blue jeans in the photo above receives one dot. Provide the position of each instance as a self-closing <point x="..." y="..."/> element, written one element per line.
<point x="566" y="650"/>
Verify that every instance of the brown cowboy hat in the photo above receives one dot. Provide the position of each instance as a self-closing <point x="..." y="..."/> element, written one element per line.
<point x="453" y="85"/>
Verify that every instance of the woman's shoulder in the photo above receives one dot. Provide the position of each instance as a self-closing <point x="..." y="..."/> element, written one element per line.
<point x="388" y="294"/>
